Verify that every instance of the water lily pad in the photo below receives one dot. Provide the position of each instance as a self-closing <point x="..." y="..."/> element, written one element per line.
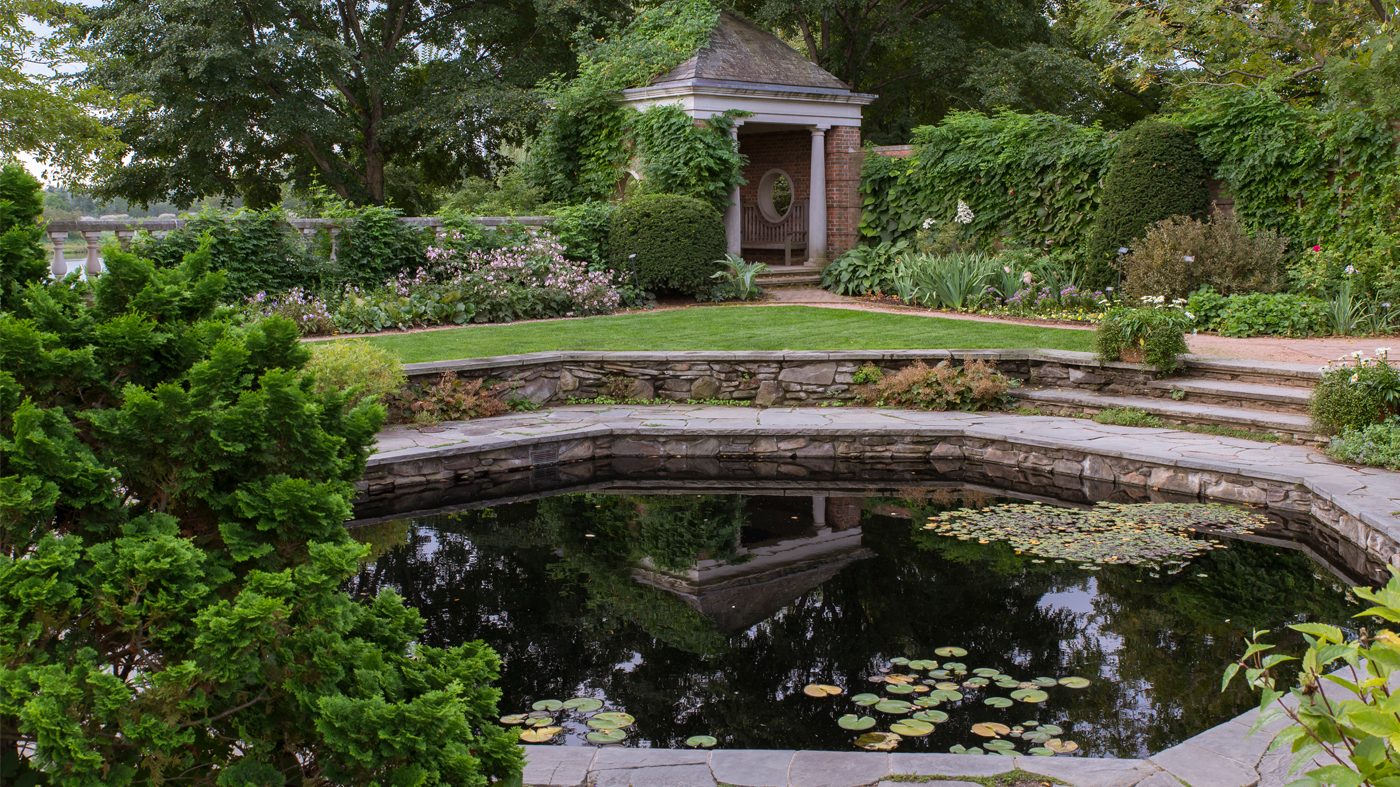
<point x="1052" y="729"/>
<point x="938" y="673"/>
<point x="986" y="672"/>
<point x="543" y="721"/>
<point x="946" y="695"/>
<point x="990" y="729"/>
<point x="975" y="683"/>
<point x="540" y="734"/>
<point x="893" y="706"/>
<point x="611" y="721"/>
<point x="583" y="704"/>
<point x="934" y="716"/>
<point x="997" y="702"/>
<point x="899" y="677"/>
<point x="853" y="722"/>
<point x="1074" y="682"/>
<point x="1041" y="751"/>
<point x="606" y="736"/>
<point x="865" y="699"/>
<point x="955" y="666"/>
<point x="821" y="690"/>
<point x="878" y="741"/>
<point x="899" y="688"/>
<point x="1030" y="724"/>
<point x="946" y="686"/>
<point x="900" y="660"/>
<point x="1061" y="747"/>
<point x="928" y="702"/>
<point x="515" y="718"/>
<point x="539" y="714"/>
<point x="923" y="664"/>
<point x="999" y="745"/>
<point x="955" y="652"/>
<point x="1045" y="682"/>
<point x="920" y="689"/>
<point x="912" y="728"/>
<point x="1008" y="684"/>
<point x="700" y="741"/>
<point x="549" y="705"/>
<point x="1029" y="695"/>
<point x="957" y="749"/>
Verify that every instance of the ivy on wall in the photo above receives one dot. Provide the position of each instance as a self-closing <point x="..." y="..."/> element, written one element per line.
<point x="1321" y="178"/>
<point x="1034" y="178"/>
<point x="589" y="141"/>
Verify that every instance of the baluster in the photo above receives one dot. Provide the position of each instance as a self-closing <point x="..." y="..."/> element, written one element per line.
<point x="335" y="234"/>
<point x="93" y="241"/>
<point x="60" y="265"/>
<point x="124" y="239"/>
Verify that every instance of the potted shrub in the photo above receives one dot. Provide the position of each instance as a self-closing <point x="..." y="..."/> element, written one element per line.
<point x="1152" y="333"/>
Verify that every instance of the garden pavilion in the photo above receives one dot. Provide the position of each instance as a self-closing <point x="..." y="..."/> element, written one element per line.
<point x="802" y="139"/>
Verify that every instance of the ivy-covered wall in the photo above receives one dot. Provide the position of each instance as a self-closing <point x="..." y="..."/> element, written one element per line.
<point x="1329" y="179"/>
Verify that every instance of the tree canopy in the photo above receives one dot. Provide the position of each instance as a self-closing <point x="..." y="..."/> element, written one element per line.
<point x="244" y="99"/>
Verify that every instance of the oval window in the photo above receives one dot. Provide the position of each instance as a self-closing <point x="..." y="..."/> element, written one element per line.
<point x="775" y="195"/>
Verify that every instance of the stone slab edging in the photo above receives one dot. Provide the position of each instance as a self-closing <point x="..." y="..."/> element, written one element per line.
<point x="1356" y="503"/>
<point x="1224" y="756"/>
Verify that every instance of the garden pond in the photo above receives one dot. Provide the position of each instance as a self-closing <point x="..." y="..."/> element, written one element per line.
<point x="940" y="618"/>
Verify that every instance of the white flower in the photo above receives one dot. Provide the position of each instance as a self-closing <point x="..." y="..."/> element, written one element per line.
<point x="928" y="223"/>
<point x="1027" y="278"/>
<point x="964" y="213"/>
<point x="1382" y="352"/>
<point x="1190" y="316"/>
<point x="1350" y="269"/>
<point x="1355" y="377"/>
<point x="1322" y="369"/>
<point x="1356" y="355"/>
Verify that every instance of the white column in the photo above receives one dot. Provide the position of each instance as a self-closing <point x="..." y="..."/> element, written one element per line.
<point x="816" y="205"/>
<point x="60" y="265"/>
<point x="94" y="265"/>
<point x="819" y="510"/>
<point x="733" y="213"/>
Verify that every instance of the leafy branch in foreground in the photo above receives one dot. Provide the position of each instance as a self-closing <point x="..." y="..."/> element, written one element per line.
<point x="1352" y="733"/>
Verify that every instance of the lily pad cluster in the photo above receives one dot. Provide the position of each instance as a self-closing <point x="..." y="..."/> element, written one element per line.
<point x="544" y="722"/>
<point x="925" y="684"/>
<point x="1108" y="533"/>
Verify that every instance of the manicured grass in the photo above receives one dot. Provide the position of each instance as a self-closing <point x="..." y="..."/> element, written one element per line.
<point x="748" y="328"/>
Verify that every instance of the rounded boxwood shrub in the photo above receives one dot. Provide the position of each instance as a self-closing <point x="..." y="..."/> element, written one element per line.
<point x="1158" y="172"/>
<point x="678" y="242"/>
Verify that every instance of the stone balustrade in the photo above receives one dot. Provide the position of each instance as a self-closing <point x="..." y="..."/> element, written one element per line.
<point x="92" y="231"/>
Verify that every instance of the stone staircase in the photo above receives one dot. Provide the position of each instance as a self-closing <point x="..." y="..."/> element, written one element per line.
<point x="1255" y="396"/>
<point x="790" y="276"/>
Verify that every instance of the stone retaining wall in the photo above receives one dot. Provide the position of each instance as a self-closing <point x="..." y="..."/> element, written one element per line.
<point x="766" y="378"/>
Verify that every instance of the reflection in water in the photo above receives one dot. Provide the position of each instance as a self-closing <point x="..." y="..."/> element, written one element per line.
<point x="708" y="615"/>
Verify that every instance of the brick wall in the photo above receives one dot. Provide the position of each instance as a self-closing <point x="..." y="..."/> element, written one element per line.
<point x="843" y="201"/>
<point x="790" y="151"/>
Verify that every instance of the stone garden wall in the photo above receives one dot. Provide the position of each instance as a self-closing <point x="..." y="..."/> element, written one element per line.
<point x="766" y="378"/>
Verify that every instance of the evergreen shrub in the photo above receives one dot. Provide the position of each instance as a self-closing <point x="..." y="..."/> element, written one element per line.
<point x="583" y="231"/>
<point x="22" y="258"/>
<point x="1158" y="172"/>
<point x="258" y="249"/>
<point x="673" y="243"/>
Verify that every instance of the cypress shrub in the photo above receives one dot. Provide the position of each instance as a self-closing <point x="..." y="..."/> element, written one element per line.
<point x="1157" y="173"/>
<point x="22" y="254"/>
<point x="678" y="242"/>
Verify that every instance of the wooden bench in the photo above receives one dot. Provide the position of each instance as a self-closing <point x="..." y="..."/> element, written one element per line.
<point x="789" y="234"/>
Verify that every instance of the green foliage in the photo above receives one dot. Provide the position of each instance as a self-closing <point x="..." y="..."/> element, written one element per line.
<point x="1342" y="708"/>
<point x="864" y="270"/>
<point x="451" y="398"/>
<point x="1158" y="333"/>
<point x="1329" y="179"/>
<point x="1157" y="173"/>
<point x="1353" y="395"/>
<point x="581" y="153"/>
<point x="1377" y="445"/>
<point x="375" y="247"/>
<point x="679" y="156"/>
<point x="583" y="231"/>
<point x="258" y="249"/>
<point x="1128" y="416"/>
<point x="21" y="237"/>
<point x="358" y="369"/>
<point x="952" y="281"/>
<point x="508" y="195"/>
<point x="975" y="385"/>
<point x="676" y="531"/>
<point x="1181" y="253"/>
<point x="1029" y="178"/>
<point x="671" y="243"/>
<point x="358" y="98"/>
<point x="736" y="280"/>
<point x="172" y="553"/>
<point x="383" y="308"/>
<point x="1260" y="314"/>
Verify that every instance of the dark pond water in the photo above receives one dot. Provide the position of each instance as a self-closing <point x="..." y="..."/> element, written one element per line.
<point x="708" y="615"/>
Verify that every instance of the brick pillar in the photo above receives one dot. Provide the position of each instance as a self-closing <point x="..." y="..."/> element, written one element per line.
<point x="844" y="159"/>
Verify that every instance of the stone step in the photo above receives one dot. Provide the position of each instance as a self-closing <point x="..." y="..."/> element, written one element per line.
<point x="1234" y="393"/>
<point x="1296" y="375"/>
<point x="1064" y="401"/>
<point x="789" y="280"/>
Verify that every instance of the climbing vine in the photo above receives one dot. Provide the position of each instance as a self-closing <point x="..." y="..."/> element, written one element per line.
<point x="1321" y="178"/>
<point x="1029" y="178"/>
<point x="583" y="149"/>
<point x="677" y="156"/>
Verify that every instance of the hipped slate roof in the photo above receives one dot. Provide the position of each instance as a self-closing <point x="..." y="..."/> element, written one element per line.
<point x="740" y="51"/>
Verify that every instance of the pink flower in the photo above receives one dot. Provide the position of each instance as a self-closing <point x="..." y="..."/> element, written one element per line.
<point x="1317" y="248"/>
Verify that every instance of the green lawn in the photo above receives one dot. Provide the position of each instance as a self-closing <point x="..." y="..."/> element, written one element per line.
<point x="752" y="328"/>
